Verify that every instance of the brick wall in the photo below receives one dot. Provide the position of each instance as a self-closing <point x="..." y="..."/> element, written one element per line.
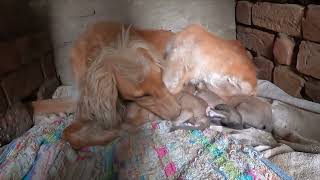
<point x="27" y="69"/>
<point x="283" y="37"/>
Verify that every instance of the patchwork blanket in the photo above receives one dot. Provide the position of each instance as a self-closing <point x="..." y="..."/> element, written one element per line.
<point x="153" y="153"/>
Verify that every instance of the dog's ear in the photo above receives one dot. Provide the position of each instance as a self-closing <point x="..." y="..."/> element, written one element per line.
<point x="98" y="96"/>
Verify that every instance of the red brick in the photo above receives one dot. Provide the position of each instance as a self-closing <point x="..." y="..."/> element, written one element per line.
<point x="9" y="58"/>
<point x="285" y="18"/>
<point x="33" y="47"/>
<point x="283" y="49"/>
<point x="48" y="66"/>
<point x="16" y="121"/>
<point x="3" y="103"/>
<point x="23" y="82"/>
<point x="288" y="80"/>
<point x="259" y="41"/>
<point x="311" y="24"/>
<point x="312" y="89"/>
<point x="243" y="12"/>
<point x="264" y="68"/>
<point x="309" y="59"/>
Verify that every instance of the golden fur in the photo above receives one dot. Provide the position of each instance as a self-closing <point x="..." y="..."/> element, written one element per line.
<point x="109" y="68"/>
<point x="195" y="55"/>
<point x="111" y="63"/>
<point x="120" y="59"/>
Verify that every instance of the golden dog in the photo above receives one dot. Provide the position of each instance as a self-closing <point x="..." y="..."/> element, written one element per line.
<point x="109" y="68"/>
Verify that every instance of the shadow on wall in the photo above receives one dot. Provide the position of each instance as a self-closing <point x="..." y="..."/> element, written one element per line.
<point x="18" y="18"/>
<point x="68" y="18"/>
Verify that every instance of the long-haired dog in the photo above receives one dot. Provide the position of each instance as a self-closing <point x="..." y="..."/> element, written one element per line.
<point x="110" y="65"/>
<point x="108" y="70"/>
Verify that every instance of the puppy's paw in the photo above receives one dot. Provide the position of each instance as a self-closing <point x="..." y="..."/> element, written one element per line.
<point x="184" y="116"/>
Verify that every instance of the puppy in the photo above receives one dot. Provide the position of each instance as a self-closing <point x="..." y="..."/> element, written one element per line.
<point x="202" y="107"/>
<point x="237" y="112"/>
<point x="193" y="110"/>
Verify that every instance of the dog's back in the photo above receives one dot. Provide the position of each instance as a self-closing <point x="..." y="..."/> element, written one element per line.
<point x="201" y="56"/>
<point x="101" y="34"/>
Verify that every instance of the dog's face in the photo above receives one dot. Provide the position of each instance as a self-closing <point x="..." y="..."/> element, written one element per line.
<point x="150" y="93"/>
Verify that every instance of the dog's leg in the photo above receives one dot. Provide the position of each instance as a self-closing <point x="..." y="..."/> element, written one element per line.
<point x="307" y="148"/>
<point x="185" y="115"/>
<point x="298" y="142"/>
<point x="88" y="133"/>
<point x="129" y="128"/>
<point x="200" y="123"/>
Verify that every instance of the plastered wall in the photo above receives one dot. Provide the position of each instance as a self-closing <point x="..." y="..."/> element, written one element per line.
<point x="66" y="19"/>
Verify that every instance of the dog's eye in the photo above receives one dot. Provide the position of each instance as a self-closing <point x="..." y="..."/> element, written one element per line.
<point x="138" y="97"/>
<point x="143" y="96"/>
<point x="147" y="94"/>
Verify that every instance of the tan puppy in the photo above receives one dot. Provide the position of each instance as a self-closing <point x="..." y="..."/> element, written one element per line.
<point x="238" y="112"/>
<point x="193" y="110"/>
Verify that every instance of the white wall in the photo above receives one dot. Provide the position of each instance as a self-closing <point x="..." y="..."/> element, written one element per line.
<point x="68" y="18"/>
